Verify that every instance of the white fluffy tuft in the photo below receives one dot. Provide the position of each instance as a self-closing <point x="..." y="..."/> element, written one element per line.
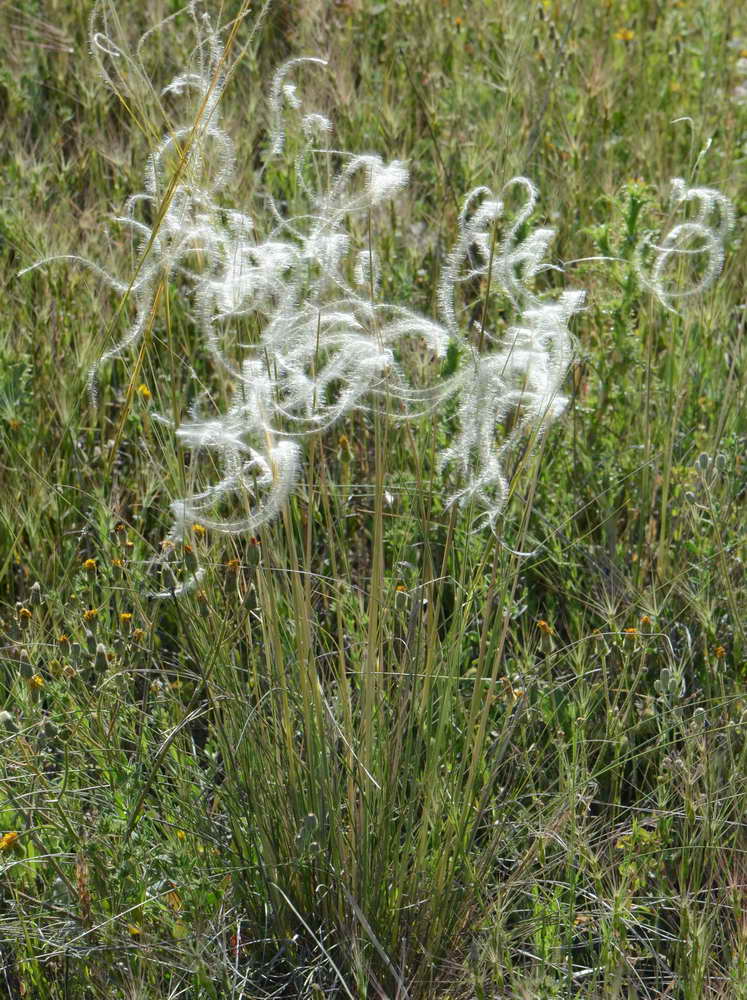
<point x="327" y="344"/>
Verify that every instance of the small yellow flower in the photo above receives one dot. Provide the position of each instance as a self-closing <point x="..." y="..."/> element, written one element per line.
<point x="630" y="632"/>
<point x="167" y="545"/>
<point x="144" y="392"/>
<point x="134" y="930"/>
<point x="198" y="529"/>
<point x="15" y="425"/>
<point x="457" y="22"/>
<point x="645" y="620"/>
<point x="181" y="835"/>
<point x="719" y="652"/>
<point x="117" y="563"/>
<point x="624" y="35"/>
<point x="63" y="639"/>
<point x="24" y="614"/>
<point x="233" y="566"/>
<point x="90" y="615"/>
<point x="174" y="899"/>
<point x="544" y="626"/>
<point x="138" y="634"/>
<point x="36" y="682"/>
<point x="8" y="840"/>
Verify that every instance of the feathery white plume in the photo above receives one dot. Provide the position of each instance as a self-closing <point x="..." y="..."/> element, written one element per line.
<point x="327" y="345"/>
<point x="690" y="256"/>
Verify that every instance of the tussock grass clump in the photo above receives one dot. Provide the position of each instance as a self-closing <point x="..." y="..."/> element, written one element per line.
<point x="332" y="661"/>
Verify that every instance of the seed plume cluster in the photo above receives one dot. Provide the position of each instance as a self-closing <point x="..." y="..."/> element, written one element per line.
<point x="327" y="342"/>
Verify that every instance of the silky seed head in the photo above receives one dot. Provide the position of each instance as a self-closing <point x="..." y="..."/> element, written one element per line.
<point x="330" y="345"/>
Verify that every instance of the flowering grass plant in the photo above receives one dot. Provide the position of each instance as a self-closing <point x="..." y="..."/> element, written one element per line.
<point x="371" y="608"/>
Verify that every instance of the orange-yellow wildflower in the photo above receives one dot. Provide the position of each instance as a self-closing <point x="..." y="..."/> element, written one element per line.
<point x="8" y="840"/>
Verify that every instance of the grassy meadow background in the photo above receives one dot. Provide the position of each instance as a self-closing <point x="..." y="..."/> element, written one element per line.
<point x="378" y="754"/>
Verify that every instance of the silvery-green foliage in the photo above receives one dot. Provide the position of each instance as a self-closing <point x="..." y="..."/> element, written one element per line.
<point x="689" y="257"/>
<point x="328" y="343"/>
